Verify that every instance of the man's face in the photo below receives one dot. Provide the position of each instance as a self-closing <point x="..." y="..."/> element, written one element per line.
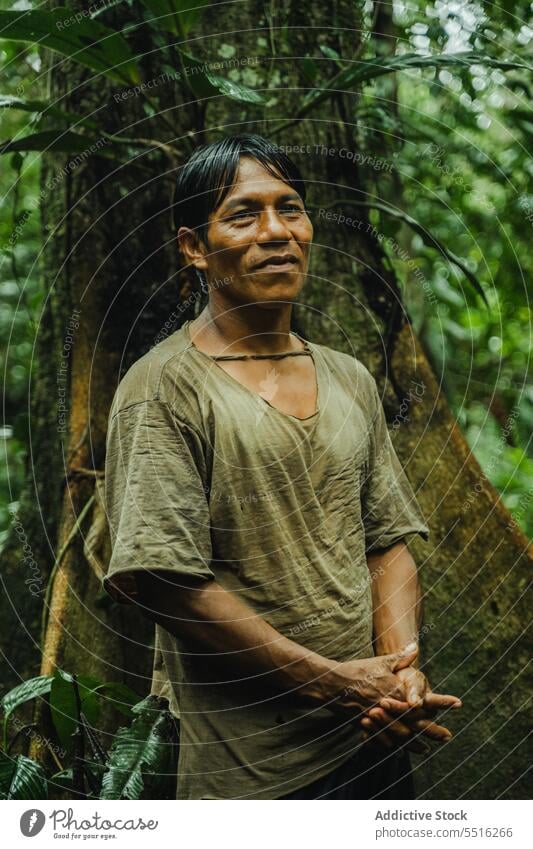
<point x="259" y="239"/>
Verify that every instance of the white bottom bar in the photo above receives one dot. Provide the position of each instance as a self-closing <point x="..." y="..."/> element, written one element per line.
<point x="248" y="824"/>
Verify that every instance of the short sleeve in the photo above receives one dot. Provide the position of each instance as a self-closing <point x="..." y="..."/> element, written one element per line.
<point x="389" y="508"/>
<point x="155" y="497"/>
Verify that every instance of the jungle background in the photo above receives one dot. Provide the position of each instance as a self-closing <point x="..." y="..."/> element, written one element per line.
<point x="412" y="123"/>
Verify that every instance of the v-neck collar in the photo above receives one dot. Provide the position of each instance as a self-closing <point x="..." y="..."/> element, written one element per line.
<point x="318" y="378"/>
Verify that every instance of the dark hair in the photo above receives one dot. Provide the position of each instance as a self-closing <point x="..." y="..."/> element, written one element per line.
<point x="207" y="177"/>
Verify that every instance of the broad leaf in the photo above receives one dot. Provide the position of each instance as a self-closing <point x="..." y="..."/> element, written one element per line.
<point x="309" y="69"/>
<point x="176" y="16"/>
<point x="205" y="83"/>
<point x="371" y="69"/>
<point x="62" y="775"/>
<point x="63" y="704"/>
<point x="143" y="748"/>
<point x="10" y="102"/>
<point x="329" y="53"/>
<point x="61" y="141"/>
<point x="21" y="778"/>
<point x="121" y="697"/>
<point x="96" y="11"/>
<point x="86" y="41"/>
<point x="236" y="91"/>
<point x="24" y="692"/>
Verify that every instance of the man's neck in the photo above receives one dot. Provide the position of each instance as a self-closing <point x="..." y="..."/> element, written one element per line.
<point x="246" y="329"/>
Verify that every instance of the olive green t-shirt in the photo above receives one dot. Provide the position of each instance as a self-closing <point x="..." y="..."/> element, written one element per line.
<point x="204" y="477"/>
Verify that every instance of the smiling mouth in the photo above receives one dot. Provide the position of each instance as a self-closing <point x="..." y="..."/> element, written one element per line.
<point x="277" y="263"/>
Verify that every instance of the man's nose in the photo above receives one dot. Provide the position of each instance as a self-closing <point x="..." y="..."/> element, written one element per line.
<point x="272" y="227"/>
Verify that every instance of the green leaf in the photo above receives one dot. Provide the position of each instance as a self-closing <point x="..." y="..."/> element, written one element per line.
<point x="62" y="141"/>
<point x="190" y="16"/>
<point x="25" y="692"/>
<point x="176" y="16"/>
<point x="109" y="4"/>
<point x="16" y="162"/>
<point x="63" y="704"/>
<point x="62" y="781"/>
<point x="84" y="40"/>
<point x="31" y="689"/>
<point x="9" y="102"/>
<point x="524" y="118"/>
<point x="121" y="697"/>
<point x="236" y="91"/>
<point x="204" y="83"/>
<point x="309" y="69"/>
<point x="329" y="53"/>
<point x="62" y="775"/>
<point x="143" y="748"/>
<point x="371" y="69"/>
<point x="21" y="778"/>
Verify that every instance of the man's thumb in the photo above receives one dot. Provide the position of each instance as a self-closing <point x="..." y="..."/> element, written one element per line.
<point x="403" y="658"/>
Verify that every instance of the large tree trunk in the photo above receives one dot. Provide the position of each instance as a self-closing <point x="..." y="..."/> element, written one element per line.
<point x="109" y="264"/>
<point x="473" y="571"/>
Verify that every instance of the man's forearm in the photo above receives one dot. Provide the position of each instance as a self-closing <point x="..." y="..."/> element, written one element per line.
<point x="396" y="598"/>
<point x="224" y="626"/>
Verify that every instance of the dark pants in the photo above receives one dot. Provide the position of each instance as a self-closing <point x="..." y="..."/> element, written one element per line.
<point x="371" y="773"/>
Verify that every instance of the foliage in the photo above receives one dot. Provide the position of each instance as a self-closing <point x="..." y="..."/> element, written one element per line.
<point x="21" y="778"/>
<point x="465" y="164"/>
<point x="84" y="40"/>
<point x="138" y="751"/>
<point x="458" y="141"/>
<point x="141" y="760"/>
<point x="25" y="692"/>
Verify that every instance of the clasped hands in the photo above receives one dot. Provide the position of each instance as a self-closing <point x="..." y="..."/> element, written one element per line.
<point x="394" y="722"/>
<point x="388" y="698"/>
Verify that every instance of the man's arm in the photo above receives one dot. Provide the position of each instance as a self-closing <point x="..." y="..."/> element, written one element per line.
<point x="216" y="621"/>
<point x="397" y="614"/>
<point x="396" y="598"/>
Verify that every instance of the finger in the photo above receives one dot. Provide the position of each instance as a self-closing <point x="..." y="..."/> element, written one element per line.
<point x="416" y="691"/>
<point x="425" y="726"/>
<point x="432" y="730"/>
<point x="381" y="737"/>
<point x="368" y="740"/>
<point x="391" y="724"/>
<point x="396" y="706"/>
<point x="439" y="701"/>
<point x="404" y="658"/>
<point x="369" y="725"/>
<point x="402" y="735"/>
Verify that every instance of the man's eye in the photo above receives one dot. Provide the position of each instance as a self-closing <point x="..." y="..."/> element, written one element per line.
<point x="241" y="216"/>
<point x="291" y="210"/>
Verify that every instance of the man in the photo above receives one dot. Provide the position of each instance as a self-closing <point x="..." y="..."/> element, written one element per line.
<point x="258" y="515"/>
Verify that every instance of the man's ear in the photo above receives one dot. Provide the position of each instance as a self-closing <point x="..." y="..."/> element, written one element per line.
<point x="192" y="247"/>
